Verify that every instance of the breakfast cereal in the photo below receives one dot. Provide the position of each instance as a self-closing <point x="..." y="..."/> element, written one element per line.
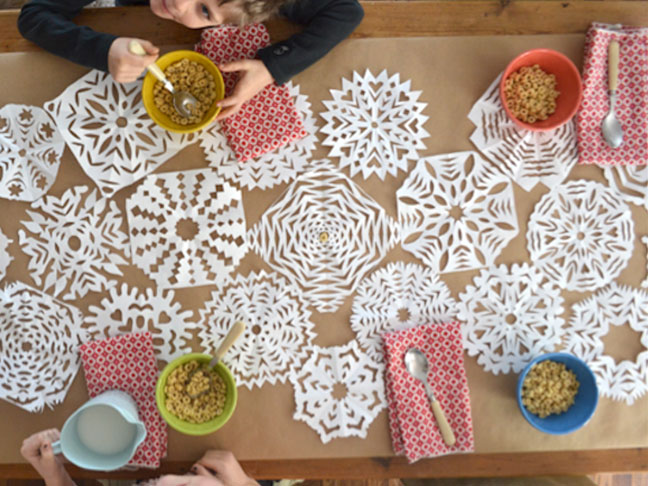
<point x="549" y="388"/>
<point x="531" y="94"/>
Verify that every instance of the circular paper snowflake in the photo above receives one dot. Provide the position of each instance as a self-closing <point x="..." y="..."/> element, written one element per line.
<point x="5" y="257"/>
<point x="629" y="181"/>
<point x="614" y="305"/>
<point x="511" y="316"/>
<point x="581" y="235"/>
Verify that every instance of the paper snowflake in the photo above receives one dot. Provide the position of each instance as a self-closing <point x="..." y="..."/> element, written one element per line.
<point x="629" y="181"/>
<point x="72" y="241"/>
<point x="5" y="257"/>
<point x="375" y="124"/>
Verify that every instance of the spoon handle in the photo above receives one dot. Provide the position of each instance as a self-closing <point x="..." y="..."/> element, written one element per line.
<point x="235" y="331"/>
<point x="613" y="65"/>
<point x="136" y="48"/>
<point x="446" y="432"/>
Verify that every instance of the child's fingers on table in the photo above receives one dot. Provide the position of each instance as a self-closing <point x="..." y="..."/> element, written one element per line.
<point x="233" y="66"/>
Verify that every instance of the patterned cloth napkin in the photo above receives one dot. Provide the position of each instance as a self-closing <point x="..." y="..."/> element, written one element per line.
<point x="414" y="430"/>
<point x="267" y="121"/>
<point x="128" y="363"/>
<point x="632" y="101"/>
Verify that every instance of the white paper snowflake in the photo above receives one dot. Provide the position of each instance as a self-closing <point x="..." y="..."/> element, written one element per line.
<point x="5" y="257"/>
<point x="629" y="181"/>
<point x="580" y="235"/>
<point x="614" y="305"/>
<point x="30" y="152"/>
<point x="278" y="328"/>
<point x="510" y="316"/>
<point x="39" y="342"/>
<point x="133" y="310"/>
<point x="339" y="391"/>
<point x="187" y="228"/>
<point x="324" y="234"/>
<point x="525" y="156"/>
<point x="375" y="124"/>
<point x="106" y="127"/>
<point x="455" y="215"/>
<point x="399" y="296"/>
<point x="271" y="169"/>
<point x="71" y="241"/>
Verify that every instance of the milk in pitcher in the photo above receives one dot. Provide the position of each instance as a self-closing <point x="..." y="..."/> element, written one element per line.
<point x="103" y="430"/>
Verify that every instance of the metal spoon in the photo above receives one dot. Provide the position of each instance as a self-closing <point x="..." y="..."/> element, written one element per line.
<point x="183" y="102"/>
<point x="417" y="366"/>
<point x="611" y="128"/>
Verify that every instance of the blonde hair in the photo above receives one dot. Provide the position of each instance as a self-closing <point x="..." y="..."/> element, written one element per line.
<point x="256" y="10"/>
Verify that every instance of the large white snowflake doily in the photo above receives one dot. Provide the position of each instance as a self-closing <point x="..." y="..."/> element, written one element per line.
<point x="629" y="181"/>
<point x="580" y="235"/>
<point x="130" y="310"/>
<point x="339" y="391"/>
<point x="614" y="305"/>
<point x="106" y="127"/>
<point x="455" y="214"/>
<point x="72" y="240"/>
<point x="30" y="152"/>
<point x="278" y="328"/>
<point x="5" y="257"/>
<point x="510" y="316"/>
<point x="374" y="124"/>
<point x="525" y="156"/>
<point x="324" y="234"/>
<point x="399" y="296"/>
<point x="39" y="341"/>
<point x="187" y="228"/>
<point x="268" y="170"/>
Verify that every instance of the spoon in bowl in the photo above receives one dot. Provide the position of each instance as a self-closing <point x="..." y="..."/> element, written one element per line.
<point x="611" y="128"/>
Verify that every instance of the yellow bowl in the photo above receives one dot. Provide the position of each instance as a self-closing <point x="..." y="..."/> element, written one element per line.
<point x="163" y="120"/>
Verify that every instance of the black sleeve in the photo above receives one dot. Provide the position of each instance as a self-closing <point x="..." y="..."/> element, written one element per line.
<point x="48" y="23"/>
<point x="327" y="23"/>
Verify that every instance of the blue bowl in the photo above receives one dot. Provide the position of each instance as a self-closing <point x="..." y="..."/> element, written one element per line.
<point x="584" y="403"/>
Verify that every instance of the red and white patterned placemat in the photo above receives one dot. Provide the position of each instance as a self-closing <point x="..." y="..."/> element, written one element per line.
<point x="632" y="101"/>
<point x="128" y="363"/>
<point x="270" y="119"/>
<point x="414" y="430"/>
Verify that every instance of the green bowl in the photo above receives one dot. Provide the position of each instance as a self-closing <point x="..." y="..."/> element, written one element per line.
<point x="206" y="427"/>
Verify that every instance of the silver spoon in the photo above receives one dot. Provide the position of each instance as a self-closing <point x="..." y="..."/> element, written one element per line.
<point x="417" y="366"/>
<point x="611" y="128"/>
<point x="183" y="102"/>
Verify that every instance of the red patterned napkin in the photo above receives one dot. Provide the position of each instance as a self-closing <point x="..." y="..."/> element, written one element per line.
<point x="414" y="430"/>
<point x="632" y="101"/>
<point x="267" y="121"/>
<point x="128" y="363"/>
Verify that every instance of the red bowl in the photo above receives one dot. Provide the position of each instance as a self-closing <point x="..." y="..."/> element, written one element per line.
<point x="568" y="83"/>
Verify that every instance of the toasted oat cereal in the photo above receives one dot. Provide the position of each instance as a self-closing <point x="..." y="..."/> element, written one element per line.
<point x="548" y="388"/>
<point x="531" y="94"/>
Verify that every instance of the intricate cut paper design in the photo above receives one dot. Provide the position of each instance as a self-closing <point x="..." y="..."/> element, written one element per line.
<point x="187" y="228"/>
<point x="5" y="257"/>
<point x="511" y="316"/>
<point x="525" y="156"/>
<point x="614" y="305"/>
<point x="109" y="132"/>
<point x="39" y="342"/>
<point x="455" y="215"/>
<point x="73" y="240"/>
<point x="30" y="152"/>
<point x="375" y="124"/>
<point x="278" y="328"/>
<point x="629" y="181"/>
<point x="339" y="391"/>
<point x="324" y="234"/>
<point x="131" y="310"/>
<point x="272" y="168"/>
<point x="399" y="296"/>
<point x="581" y="235"/>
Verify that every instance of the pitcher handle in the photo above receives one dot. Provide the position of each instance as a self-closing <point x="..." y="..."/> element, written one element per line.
<point x="56" y="447"/>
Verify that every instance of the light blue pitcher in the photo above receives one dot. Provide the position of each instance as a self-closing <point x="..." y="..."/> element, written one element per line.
<point x="103" y="434"/>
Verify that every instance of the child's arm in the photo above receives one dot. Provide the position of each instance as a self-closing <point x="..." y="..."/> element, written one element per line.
<point x="37" y="449"/>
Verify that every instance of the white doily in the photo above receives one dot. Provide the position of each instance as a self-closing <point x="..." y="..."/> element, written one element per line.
<point x="399" y="296"/>
<point x="339" y="391"/>
<point x="30" y="152"/>
<point x="324" y="234"/>
<point x="591" y="319"/>
<point x="629" y="181"/>
<point x="73" y="240"/>
<point x="5" y="257"/>
<point x="525" y="156"/>
<point x="455" y="215"/>
<point x="187" y="228"/>
<point x="130" y="310"/>
<point x="510" y="316"/>
<point x="106" y="127"/>
<point x="278" y="328"/>
<point x="272" y="168"/>
<point x="39" y="341"/>
<point x="375" y="124"/>
<point x="581" y="235"/>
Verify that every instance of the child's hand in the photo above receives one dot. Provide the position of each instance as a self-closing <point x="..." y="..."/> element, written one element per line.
<point x="126" y="67"/>
<point x="37" y="449"/>
<point x="253" y="78"/>
<point x="224" y="467"/>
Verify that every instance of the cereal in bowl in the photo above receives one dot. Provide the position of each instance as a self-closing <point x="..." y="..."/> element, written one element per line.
<point x="549" y="387"/>
<point x="531" y="94"/>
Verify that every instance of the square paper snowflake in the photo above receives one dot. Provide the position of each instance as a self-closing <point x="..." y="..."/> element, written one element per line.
<point x="5" y="257"/>
<point x="629" y="181"/>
